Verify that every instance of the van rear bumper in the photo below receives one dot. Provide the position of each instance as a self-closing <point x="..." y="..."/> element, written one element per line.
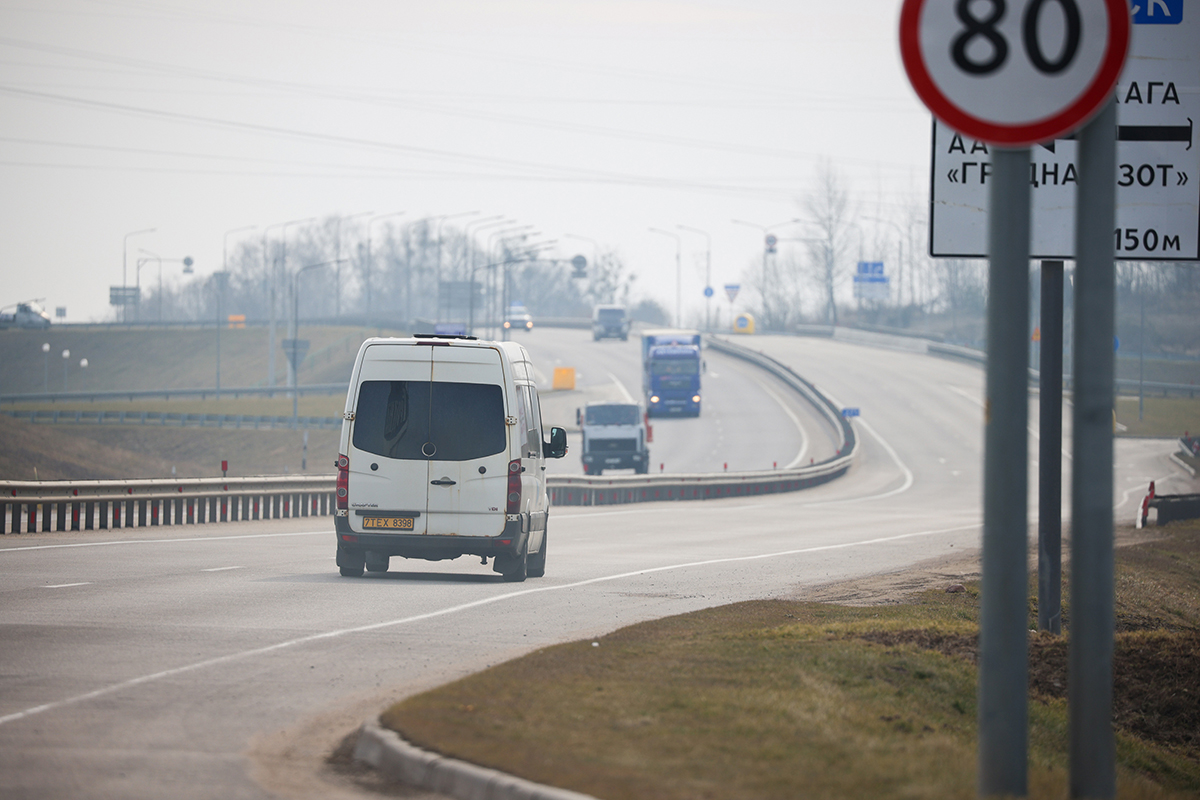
<point x="431" y="548"/>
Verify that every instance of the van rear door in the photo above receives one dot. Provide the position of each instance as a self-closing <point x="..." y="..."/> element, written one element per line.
<point x="468" y="468"/>
<point x="389" y="474"/>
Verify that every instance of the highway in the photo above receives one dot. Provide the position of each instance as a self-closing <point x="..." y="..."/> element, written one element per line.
<point x="223" y="661"/>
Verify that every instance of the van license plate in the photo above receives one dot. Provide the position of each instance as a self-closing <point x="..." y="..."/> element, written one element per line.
<point x="395" y="523"/>
<point x="612" y="461"/>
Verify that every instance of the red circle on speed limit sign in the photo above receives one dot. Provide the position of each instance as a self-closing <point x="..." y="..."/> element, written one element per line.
<point x="1014" y="72"/>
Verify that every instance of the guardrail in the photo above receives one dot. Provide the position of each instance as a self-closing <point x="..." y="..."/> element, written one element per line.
<point x="29" y="506"/>
<point x="47" y="416"/>
<point x="167" y="394"/>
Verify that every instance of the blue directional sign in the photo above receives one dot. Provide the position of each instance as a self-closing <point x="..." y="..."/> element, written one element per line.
<point x="1157" y="12"/>
<point x="850" y="412"/>
<point x="708" y="291"/>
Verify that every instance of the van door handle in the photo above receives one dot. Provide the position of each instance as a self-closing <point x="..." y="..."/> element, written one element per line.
<point x="443" y="482"/>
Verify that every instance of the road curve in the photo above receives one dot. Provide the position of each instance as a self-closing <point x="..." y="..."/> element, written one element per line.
<point x="194" y="663"/>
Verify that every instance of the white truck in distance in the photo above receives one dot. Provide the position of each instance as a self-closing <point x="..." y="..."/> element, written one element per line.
<point x="614" y="437"/>
<point x="25" y="315"/>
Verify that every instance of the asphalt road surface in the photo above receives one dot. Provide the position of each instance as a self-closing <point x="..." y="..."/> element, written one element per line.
<point x="222" y="661"/>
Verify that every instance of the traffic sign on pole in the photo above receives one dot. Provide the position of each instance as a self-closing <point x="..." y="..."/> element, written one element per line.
<point x="1010" y="74"/>
<point x="731" y="291"/>
<point x="1014" y="73"/>
<point x="1158" y="160"/>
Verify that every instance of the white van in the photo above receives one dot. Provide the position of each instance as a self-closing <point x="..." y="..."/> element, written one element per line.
<point x="441" y="456"/>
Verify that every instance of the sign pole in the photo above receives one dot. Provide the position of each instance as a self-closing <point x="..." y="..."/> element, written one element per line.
<point x="1050" y="451"/>
<point x="1003" y="633"/>
<point x="1092" y="748"/>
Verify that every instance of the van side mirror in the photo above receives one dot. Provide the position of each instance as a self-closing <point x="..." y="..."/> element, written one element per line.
<point x="557" y="446"/>
<point x="578" y="416"/>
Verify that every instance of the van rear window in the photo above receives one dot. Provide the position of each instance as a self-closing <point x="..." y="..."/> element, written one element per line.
<point x="423" y="420"/>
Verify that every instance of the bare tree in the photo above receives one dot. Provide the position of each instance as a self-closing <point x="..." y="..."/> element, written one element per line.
<point x="827" y="210"/>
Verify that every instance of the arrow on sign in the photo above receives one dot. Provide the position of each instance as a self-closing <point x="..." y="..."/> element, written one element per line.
<point x="1145" y="133"/>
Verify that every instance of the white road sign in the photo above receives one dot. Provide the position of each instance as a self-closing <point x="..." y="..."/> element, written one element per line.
<point x="1158" y="158"/>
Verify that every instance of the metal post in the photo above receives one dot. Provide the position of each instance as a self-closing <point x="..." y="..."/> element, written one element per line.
<point x="1050" y="451"/>
<point x="1142" y="345"/>
<point x="1003" y="657"/>
<point x="1092" y="747"/>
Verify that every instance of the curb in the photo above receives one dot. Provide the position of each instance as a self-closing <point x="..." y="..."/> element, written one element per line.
<point x="384" y="750"/>
<point x="1175" y="457"/>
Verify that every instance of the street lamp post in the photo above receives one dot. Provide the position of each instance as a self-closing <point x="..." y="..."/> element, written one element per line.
<point x="594" y="243"/>
<point x="500" y="236"/>
<point x="899" y="257"/>
<point x="768" y="247"/>
<point x="370" y="257"/>
<point x="66" y="355"/>
<point x="125" y="266"/>
<point x="707" y="272"/>
<point x="337" y="281"/>
<point x="295" y="367"/>
<point x="271" y="291"/>
<point x="438" y="270"/>
<point x="221" y="291"/>
<point x="678" y="274"/>
<point x="46" y="368"/>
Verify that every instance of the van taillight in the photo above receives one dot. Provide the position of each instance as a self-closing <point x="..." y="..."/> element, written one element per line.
<point x="514" y="487"/>
<point x="343" y="482"/>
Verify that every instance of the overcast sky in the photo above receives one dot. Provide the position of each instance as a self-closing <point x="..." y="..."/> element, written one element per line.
<point x="598" y="118"/>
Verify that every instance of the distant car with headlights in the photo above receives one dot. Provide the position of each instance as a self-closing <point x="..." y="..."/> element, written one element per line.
<point x="441" y="455"/>
<point x="518" y="319"/>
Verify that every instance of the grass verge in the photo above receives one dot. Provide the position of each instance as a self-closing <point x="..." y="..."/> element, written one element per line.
<point x="775" y="699"/>
<point x="1165" y="417"/>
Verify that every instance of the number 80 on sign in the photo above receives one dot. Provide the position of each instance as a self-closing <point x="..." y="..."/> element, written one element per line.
<point x="1014" y="72"/>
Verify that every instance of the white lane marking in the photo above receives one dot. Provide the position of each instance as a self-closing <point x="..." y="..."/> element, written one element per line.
<point x="908" y="476"/>
<point x="162" y="541"/>
<point x="624" y="392"/>
<point x="220" y="569"/>
<point x="66" y="585"/>
<point x="316" y="637"/>
<point x="795" y="462"/>
<point x="711" y="375"/>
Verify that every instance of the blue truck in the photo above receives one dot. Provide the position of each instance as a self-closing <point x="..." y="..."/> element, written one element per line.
<point x="671" y="369"/>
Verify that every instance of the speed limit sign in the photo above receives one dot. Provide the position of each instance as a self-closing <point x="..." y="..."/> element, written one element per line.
<point x="1014" y="72"/>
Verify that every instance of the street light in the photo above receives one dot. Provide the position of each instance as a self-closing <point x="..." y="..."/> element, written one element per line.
<point x="370" y="259"/>
<point x="678" y="275"/>
<point x="271" y="291"/>
<point x="768" y="247"/>
<point x="438" y="271"/>
<point x="594" y="243"/>
<point x="66" y="355"/>
<point x="292" y="360"/>
<point x="529" y="250"/>
<point x="125" y="265"/>
<point x="337" y="281"/>
<point x="900" y="257"/>
<point x="707" y="272"/>
<point x="187" y="270"/>
<point x="46" y="368"/>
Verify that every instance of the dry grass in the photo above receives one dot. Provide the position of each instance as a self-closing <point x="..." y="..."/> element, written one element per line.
<point x="67" y="452"/>
<point x="1166" y="417"/>
<point x="780" y="699"/>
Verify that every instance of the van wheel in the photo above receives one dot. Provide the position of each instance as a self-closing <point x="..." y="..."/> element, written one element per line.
<point x="537" y="561"/>
<point x="350" y="563"/>
<point x="514" y="569"/>
<point x="351" y="572"/>
<point x="376" y="563"/>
